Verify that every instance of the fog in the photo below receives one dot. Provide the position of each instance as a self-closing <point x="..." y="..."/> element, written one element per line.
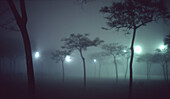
<point x="49" y="21"/>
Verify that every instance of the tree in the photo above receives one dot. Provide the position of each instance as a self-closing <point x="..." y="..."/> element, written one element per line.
<point x="147" y="58"/>
<point x="59" y="56"/>
<point x="127" y="55"/>
<point x="131" y="15"/>
<point x="115" y="50"/>
<point x="80" y="42"/>
<point x="162" y="57"/>
<point x="167" y="41"/>
<point x="99" y="58"/>
<point x="21" y="21"/>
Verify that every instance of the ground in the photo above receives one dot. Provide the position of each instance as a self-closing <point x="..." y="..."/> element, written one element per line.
<point x="47" y="88"/>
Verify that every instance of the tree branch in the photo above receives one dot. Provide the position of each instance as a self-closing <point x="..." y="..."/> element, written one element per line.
<point x="143" y="23"/>
<point x="23" y="11"/>
<point x="14" y="11"/>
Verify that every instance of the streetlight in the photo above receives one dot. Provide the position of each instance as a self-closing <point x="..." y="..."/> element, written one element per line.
<point x="68" y="58"/>
<point x="162" y="47"/>
<point x="37" y="54"/>
<point x="124" y="51"/>
<point x="138" y="49"/>
<point x="94" y="60"/>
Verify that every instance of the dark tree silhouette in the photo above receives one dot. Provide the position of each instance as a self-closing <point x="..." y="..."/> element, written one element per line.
<point x="59" y="56"/>
<point x="80" y="42"/>
<point x="21" y="21"/>
<point x="148" y="59"/>
<point x="132" y="14"/>
<point x="115" y="50"/>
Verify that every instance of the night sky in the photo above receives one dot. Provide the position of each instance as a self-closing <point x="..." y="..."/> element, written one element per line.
<point x="49" y="21"/>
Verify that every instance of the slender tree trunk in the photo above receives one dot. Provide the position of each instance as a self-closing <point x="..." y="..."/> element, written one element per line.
<point x="149" y="71"/>
<point x="116" y="69"/>
<point x="63" y="71"/>
<point x="84" y="67"/>
<point x="131" y="64"/>
<point x="163" y="69"/>
<point x="127" y="61"/>
<point x="100" y="66"/>
<point x="95" y="70"/>
<point x="14" y="67"/>
<point x="10" y="66"/>
<point x="167" y="73"/>
<point x="166" y="69"/>
<point x="21" y="22"/>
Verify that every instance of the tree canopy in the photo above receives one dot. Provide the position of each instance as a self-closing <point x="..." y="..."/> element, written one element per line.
<point x="80" y="42"/>
<point x="132" y="14"/>
<point x="113" y="49"/>
<point x="59" y="55"/>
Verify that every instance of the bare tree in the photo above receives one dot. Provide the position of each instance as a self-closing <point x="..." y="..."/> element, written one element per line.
<point x="59" y="56"/>
<point x="131" y="15"/>
<point x="21" y="21"/>
<point x="80" y="42"/>
<point x="115" y="50"/>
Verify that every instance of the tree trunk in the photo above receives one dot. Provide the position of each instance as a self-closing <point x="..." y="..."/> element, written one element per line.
<point x="163" y="70"/>
<point x="84" y="67"/>
<point x="95" y="70"/>
<point x="166" y="69"/>
<point x="100" y="70"/>
<point x="10" y="66"/>
<point x="0" y="67"/>
<point x="30" y="71"/>
<point x="147" y="65"/>
<point x="131" y="64"/>
<point x="14" y="67"/>
<point x="150" y="71"/>
<point x="127" y="61"/>
<point x="63" y="71"/>
<point x="116" y="69"/>
<point x="167" y="72"/>
<point x="21" y="22"/>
